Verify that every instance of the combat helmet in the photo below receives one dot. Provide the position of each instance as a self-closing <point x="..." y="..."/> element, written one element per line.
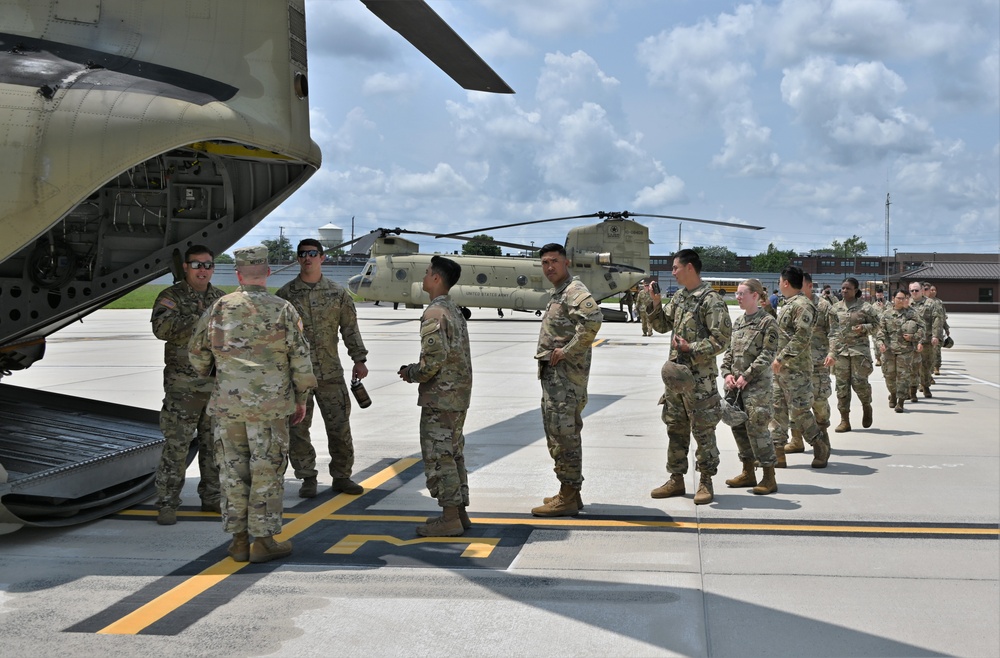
<point x="677" y="378"/>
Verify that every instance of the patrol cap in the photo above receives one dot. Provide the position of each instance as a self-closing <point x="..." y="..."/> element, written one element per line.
<point x="677" y="377"/>
<point x="256" y="255"/>
<point x="948" y="342"/>
<point x="733" y="413"/>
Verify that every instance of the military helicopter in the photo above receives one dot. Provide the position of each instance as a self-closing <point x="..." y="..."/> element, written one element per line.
<point x="130" y="131"/>
<point x="609" y="257"/>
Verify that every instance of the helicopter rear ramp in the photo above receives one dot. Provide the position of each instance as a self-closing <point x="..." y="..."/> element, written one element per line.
<point x="67" y="460"/>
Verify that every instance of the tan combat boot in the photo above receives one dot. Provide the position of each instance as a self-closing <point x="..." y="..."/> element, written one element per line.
<point x="845" y="422"/>
<point x="239" y="549"/>
<point x="672" y="487"/>
<point x="821" y="451"/>
<point x="779" y="456"/>
<point x="913" y="394"/>
<point x="899" y="406"/>
<point x="767" y="484"/>
<point x="705" y="494"/>
<point x="463" y="516"/>
<point x="308" y="488"/>
<point x="892" y="400"/>
<point x="212" y="506"/>
<point x="796" y="444"/>
<point x="562" y="504"/>
<point x="166" y="516"/>
<point x="449" y="524"/>
<point x="347" y="486"/>
<point x="745" y="479"/>
<point x="866" y="416"/>
<point x="927" y="392"/>
<point x="579" y="500"/>
<point x="265" y="549"/>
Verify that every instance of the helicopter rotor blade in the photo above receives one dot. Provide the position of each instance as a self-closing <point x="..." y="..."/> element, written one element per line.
<point x="470" y="238"/>
<point x="430" y="34"/>
<point x="534" y="221"/>
<point x="700" y="221"/>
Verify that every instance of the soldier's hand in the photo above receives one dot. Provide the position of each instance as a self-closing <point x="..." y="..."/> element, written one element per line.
<point x="655" y="296"/>
<point x="730" y="382"/>
<point x="829" y="361"/>
<point x="360" y="370"/>
<point x="403" y="373"/>
<point x="776" y="366"/>
<point x="881" y="348"/>
<point x="300" y="414"/>
<point x="934" y="341"/>
<point x="556" y="356"/>
<point x="908" y="337"/>
<point x="742" y="382"/>
<point x="858" y="328"/>
<point x="681" y="344"/>
<point x="920" y="347"/>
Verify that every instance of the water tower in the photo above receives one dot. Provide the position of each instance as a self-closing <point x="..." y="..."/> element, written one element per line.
<point x="330" y="236"/>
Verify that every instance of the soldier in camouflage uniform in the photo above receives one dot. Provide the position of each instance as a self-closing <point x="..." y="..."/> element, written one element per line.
<point x="641" y="304"/>
<point x="699" y="320"/>
<point x="880" y="307"/>
<point x="746" y="367"/>
<point x="930" y="292"/>
<point x="899" y="338"/>
<point x="849" y="355"/>
<point x="932" y="315"/>
<point x="792" y="365"/>
<point x="185" y="394"/>
<point x="444" y="373"/>
<point x="255" y="343"/>
<point x="569" y="326"/>
<point x="325" y="308"/>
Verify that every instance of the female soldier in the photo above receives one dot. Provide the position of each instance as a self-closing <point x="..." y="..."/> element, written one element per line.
<point x="849" y="356"/>
<point x="746" y="367"/>
<point x="900" y="330"/>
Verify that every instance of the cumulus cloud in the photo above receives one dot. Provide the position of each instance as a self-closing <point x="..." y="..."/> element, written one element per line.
<point x="556" y="17"/>
<point x="443" y="181"/>
<point x="383" y="83"/>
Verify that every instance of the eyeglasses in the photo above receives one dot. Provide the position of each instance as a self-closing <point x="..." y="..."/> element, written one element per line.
<point x="312" y="253"/>
<point x="914" y="289"/>
<point x="200" y="265"/>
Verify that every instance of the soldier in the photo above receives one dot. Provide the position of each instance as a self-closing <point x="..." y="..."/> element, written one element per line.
<point x="932" y="315"/>
<point x="849" y="355"/>
<point x="254" y="341"/>
<point x="185" y="393"/>
<point x="626" y="303"/>
<point x="699" y="319"/>
<point x="930" y="292"/>
<point x="444" y="373"/>
<point x="746" y="367"/>
<point x="793" y="364"/>
<point x="569" y="325"/>
<point x="900" y="338"/>
<point x="641" y="304"/>
<point x="325" y="308"/>
<point x="880" y="307"/>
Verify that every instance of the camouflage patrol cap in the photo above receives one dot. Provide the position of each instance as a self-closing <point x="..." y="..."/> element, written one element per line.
<point x="856" y="318"/>
<point x="733" y="413"/>
<point x="256" y="255"/>
<point x="948" y="342"/>
<point x="910" y="327"/>
<point x="676" y="377"/>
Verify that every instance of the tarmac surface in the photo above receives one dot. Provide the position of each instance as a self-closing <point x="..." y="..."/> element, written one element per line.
<point x="890" y="551"/>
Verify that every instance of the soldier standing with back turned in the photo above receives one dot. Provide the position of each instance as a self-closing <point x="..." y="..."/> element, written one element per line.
<point x="185" y="393"/>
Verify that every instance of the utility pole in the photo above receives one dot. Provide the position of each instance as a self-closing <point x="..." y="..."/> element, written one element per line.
<point x="679" y="225"/>
<point x="887" y="243"/>
<point x="352" y="228"/>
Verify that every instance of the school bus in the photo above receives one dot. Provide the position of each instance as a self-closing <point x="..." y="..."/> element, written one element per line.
<point x="723" y="286"/>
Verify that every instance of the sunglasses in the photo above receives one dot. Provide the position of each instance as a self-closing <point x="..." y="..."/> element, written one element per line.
<point x="312" y="253"/>
<point x="200" y="265"/>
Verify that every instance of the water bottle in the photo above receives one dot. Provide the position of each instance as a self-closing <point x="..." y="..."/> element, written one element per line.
<point x="360" y="394"/>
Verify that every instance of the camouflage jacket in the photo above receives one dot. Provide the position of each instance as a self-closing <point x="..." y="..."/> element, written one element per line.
<point x="844" y="340"/>
<point x="256" y="343"/>
<point x="700" y="317"/>
<point x="795" y="326"/>
<point x="826" y="324"/>
<point x="752" y="349"/>
<point x="641" y="300"/>
<point x="571" y="322"/>
<point x="325" y="309"/>
<point x="175" y="313"/>
<point x="893" y="324"/>
<point x="445" y="368"/>
<point x="932" y="314"/>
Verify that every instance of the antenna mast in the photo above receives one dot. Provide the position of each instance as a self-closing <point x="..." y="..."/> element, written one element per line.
<point x="887" y="203"/>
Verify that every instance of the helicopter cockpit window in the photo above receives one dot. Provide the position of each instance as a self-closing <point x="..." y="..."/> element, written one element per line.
<point x="370" y="270"/>
<point x="522" y="280"/>
<point x="400" y="274"/>
<point x="481" y="278"/>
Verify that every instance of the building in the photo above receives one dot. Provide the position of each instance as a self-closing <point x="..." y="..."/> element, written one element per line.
<point x="963" y="287"/>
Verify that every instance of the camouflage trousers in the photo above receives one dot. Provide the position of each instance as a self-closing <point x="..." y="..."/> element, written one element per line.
<point x="822" y="390"/>
<point x="851" y="372"/>
<point x="183" y="421"/>
<point x="644" y="319"/>
<point x="562" y="417"/>
<point x="925" y="361"/>
<point x="753" y="439"/>
<point x="898" y="372"/>
<point x="334" y="403"/>
<point x="442" y="446"/>
<point x="252" y="462"/>
<point x="696" y="414"/>
<point x="793" y="402"/>
<point x="937" y="356"/>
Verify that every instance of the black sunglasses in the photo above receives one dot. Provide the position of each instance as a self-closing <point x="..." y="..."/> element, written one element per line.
<point x="312" y="253"/>
<point x="200" y="265"/>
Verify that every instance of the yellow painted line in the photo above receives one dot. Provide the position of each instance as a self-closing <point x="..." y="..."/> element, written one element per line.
<point x="479" y="547"/>
<point x="169" y="601"/>
<point x="599" y="341"/>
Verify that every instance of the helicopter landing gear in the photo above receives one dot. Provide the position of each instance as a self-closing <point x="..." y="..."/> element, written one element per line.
<point x="538" y="314"/>
<point x="500" y="312"/>
<point x="466" y="313"/>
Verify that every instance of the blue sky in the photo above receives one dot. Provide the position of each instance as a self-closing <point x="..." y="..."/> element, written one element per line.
<point x="799" y="116"/>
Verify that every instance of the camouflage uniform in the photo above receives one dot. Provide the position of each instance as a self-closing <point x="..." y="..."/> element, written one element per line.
<point x="900" y="354"/>
<point x="445" y="377"/>
<point x="753" y="346"/>
<point x="826" y="322"/>
<point x="794" y="379"/>
<point x="263" y="371"/>
<point x="571" y="322"/>
<point x="932" y="315"/>
<point x="185" y="396"/>
<point x="700" y="317"/>
<point x="853" y="360"/>
<point x="325" y="308"/>
<point x="945" y="328"/>
<point x="642" y="301"/>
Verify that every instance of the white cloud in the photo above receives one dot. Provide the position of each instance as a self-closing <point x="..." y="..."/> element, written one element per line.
<point x="443" y="181"/>
<point x="384" y="83"/>
<point x="556" y="17"/>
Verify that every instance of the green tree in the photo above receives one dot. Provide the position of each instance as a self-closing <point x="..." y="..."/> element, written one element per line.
<point x="481" y="245"/>
<point x="850" y="248"/>
<point x="279" y="251"/>
<point x="717" y="259"/>
<point x="224" y="258"/>
<point x="772" y="260"/>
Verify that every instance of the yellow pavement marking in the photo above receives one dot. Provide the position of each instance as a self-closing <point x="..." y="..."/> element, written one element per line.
<point x="479" y="547"/>
<point x="169" y="601"/>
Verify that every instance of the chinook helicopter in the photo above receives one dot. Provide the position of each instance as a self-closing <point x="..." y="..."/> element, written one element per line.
<point x="130" y="131"/>
<point x="610" y="257"/>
